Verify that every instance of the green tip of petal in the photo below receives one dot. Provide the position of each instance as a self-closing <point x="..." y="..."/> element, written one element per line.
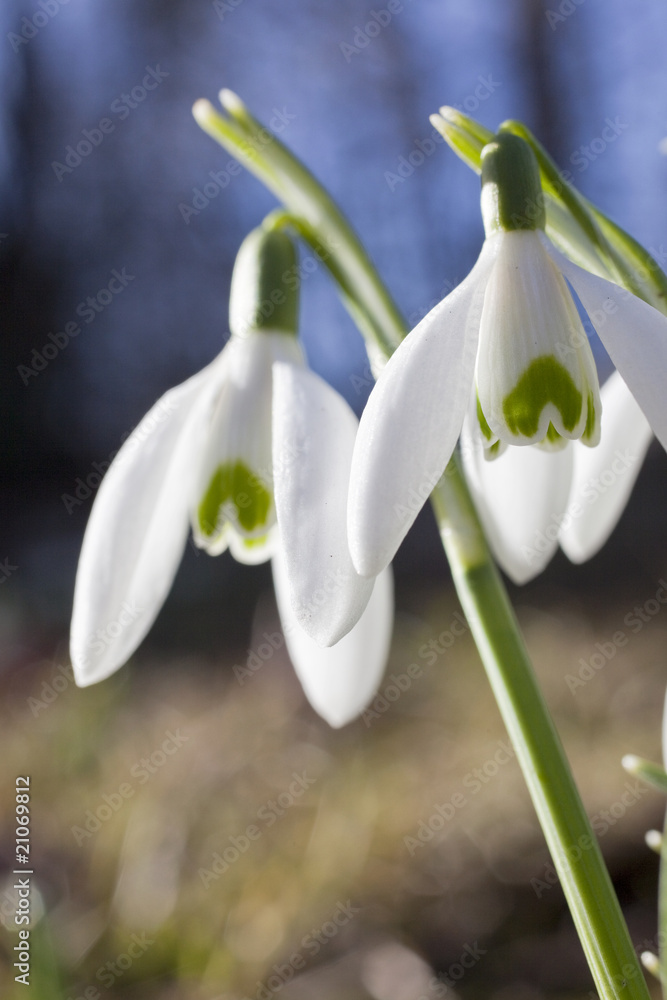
<point x="591" y="435"/>
<point x="544" y="381"/>
<point x="483" y="423"/>
<point x="553" y="441"/>
<point x="235" y="494"/>
<point x="494" y="451"/>
<point x="254" y="543"/>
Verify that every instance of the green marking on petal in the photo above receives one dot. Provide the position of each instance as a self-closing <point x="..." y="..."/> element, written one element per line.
<point x="591" y="421"/>
<point x="493" y="451"/>
<point x="544" y="381"/>
<point x="253" y="543"/>
<point x="552" y="441"/>
<point x="235" y="487"/>
<point x="483" y="425"/>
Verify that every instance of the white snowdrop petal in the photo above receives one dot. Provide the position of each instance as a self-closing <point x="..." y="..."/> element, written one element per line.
<point x="412" y="420"/>
<point x="137" y="529"/>
<point x="234" y="495"/>
<point x="520" y="497"/>
<point x="313" y="436"/>
<point x="634" y="335"/>
<point x="339" y="681"/>
<point x="534" y="364"/>
<point x="603" y="477"/>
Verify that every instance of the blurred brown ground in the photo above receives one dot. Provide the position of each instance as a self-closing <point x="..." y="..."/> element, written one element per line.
<point x="332" y="852"/>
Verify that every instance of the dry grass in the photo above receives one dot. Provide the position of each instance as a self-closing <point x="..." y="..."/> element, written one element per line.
<point x="412" y="911"/>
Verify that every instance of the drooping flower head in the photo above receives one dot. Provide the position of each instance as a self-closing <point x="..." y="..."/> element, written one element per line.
<point x="253" y="453"/>
<point x="233" y="496"/>
<point x="535" y="375"/>
<point x="508" y="350"/>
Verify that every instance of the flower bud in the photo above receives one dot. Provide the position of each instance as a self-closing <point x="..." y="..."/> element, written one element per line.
<point x="512" y="195"/>
<point x="261" y="296"/>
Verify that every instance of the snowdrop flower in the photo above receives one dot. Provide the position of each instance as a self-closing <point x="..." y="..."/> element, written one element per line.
<point x="210" y="456"/>
<point x="507" y="347"/>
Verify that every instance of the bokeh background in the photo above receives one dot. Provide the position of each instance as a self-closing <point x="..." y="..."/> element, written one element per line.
<point x="136" y="908"/>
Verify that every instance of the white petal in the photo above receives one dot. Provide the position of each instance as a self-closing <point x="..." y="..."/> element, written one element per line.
<point x="520" y="497"/>
<point x="235" y="492"/>
<point x="409" y="427"/>
<point x="313" y="436"/>
<point x="253" y="551"/>
<point x="604" y="476"/>
<point x="534" y="364"/>
<point x="634" y="334"/>
<point x="340" y="681"/>
<point x="137" y="529"/>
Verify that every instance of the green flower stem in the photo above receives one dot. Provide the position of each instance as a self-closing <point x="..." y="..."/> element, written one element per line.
<point x="586" y="883"/>
<point x="573" y="846"/>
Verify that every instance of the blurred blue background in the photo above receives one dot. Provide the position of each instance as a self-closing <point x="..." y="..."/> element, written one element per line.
<point x="353" y="102"/>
